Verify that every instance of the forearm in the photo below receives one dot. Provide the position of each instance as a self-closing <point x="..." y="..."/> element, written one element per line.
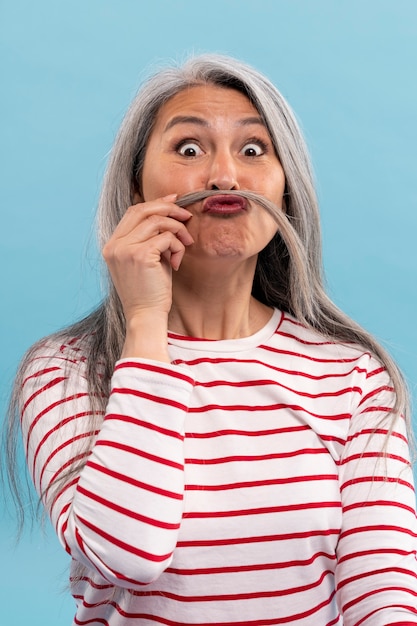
<point x="120" y="513"/>
<point x="376" y="575"/>
<point x="127" y="508"/>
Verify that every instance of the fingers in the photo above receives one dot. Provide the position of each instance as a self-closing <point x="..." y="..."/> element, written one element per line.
<point x="138" y="213"/>
<point x="156" y="224"/>
<point x="170" y="248"/>
<point x="161" y="234"/>
<point x="149" y="243"/>
<point x="142" y="222"/>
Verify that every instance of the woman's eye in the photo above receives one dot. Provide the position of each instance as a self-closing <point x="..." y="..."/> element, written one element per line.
<point x="253" y="150"/>
<point x="190" y="149"/>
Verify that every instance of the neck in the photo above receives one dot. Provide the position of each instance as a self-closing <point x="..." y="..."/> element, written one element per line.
<point x="216" y="304"/>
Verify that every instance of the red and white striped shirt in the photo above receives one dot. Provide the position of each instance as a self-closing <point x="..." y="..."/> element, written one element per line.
<point x="243" y="484"/>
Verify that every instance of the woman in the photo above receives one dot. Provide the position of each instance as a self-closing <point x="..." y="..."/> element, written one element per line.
<point x="217" y="443"/>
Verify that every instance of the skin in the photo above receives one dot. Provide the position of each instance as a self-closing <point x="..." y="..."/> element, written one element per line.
<point x="205" y="137"/>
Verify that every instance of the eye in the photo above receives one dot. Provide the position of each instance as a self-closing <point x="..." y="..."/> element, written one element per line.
<point x="254" y="149"/>
<point x="189" y="149"/>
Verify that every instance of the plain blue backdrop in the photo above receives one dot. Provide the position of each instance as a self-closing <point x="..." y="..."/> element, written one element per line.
<point x="68" y="72"/>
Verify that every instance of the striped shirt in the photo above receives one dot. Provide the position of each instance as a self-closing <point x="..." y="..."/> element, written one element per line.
<point x="249" y="482"/>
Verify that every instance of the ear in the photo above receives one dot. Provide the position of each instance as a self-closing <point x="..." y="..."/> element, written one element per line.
<point x="136" y="193"/>
<point x="136" y="198"/>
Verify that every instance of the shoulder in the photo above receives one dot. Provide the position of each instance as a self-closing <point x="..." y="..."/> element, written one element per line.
<point x="57" y="354"/>
<point x="311" y="343"/>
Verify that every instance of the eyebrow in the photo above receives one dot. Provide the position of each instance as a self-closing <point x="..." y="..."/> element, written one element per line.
<point x="192" y="119"/>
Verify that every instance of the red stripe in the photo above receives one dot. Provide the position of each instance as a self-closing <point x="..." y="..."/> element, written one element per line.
<point x="265" y="408"/>
<point x="362" y="553"/>
<point x="154" y="368"/>
<point x="263" y="510"/>
<point x="148" y="396"/>
<point x="262" y="483"/>
<point x="257" y="622"/>
<point x="136" y="483"/>
<point x="376" y="479"/>
<point x="91" y="582"/>
<point x="376" y="431"/>
<point x="308" y="357"/>
<point x="373" y="455"/>
<point x="56" y="451"/>
<point x="376" y="392"/>
<point x="250" y="568"/>
<point x="261" y="433"/>
<point x="148" y="425"/>
<point x="377" y="409"/>
<point x="39" y="373"/>
<point x="227" y="597"/>
<point x="260" y="457"/>
<point x="218" y="360"/>
<point x="50" y="408"/>
<point x="375" y="528"/>
<point x="66" y="465"/>
<point x="67" y="486"/>
<point x="64" y="422"/>
<point x="294" y="322"/>
<point x="378" y="370"/>
<point x="383" y="503"/>
<point x="259" y="539"/>
<point x="138" y="452"/>
<point x="155" y="558"/>
<point x="63" y="512"/>
<point x="56" y="357"/>
<point x="126" y="512"/>
<point x="81" y="546"/>
<point x="48" y="385"/>
<point x="64" y="530"/>
<point x="334" y="621"/>
<point x="274" y="383"/>
<point x="331" y="438"/>
<point x="247" y="433"/>
<point x="304" y="342"/>
<point x="373" y="592"/>
<point x="177" y="337"/>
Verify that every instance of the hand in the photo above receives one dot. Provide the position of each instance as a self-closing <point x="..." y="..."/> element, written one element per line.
<point x="148" y="243"/>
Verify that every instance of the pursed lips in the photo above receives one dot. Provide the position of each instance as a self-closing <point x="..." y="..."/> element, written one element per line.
<point x="225" y="204"/>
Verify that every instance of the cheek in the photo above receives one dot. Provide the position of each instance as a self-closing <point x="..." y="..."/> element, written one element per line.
<point x="268" y="227"/>
<point x="151" y="187"/>
<point x="169" y="179"/>
<point x="275" y="183"/>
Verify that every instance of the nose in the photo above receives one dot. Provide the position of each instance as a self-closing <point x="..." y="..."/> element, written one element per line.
<point x="223" y="172"/>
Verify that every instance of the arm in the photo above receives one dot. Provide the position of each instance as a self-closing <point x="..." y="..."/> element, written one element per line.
<point x="376" y="575"/>
<point x="120" y="514"/>
<point x="114" y="490"/>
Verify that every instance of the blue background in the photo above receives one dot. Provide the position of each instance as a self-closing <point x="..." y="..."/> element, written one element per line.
<point x="69" y="70"/>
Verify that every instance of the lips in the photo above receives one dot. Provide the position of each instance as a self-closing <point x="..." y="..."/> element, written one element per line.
<point x="225" y="204"/>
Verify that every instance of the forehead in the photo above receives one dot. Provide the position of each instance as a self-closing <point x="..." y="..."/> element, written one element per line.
<point x="206" y="102"/>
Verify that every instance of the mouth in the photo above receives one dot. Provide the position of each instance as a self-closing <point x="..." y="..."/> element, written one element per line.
<point x="225" y="204"/>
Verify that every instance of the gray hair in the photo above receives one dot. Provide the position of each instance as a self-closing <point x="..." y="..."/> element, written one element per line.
<point x="290" y="281"/>
<point x="125" y="166"/>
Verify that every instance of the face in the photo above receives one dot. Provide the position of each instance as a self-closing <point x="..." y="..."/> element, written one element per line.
<point x="209" y="137"/>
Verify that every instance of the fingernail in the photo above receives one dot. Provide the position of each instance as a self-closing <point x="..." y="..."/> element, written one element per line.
<point x="170" y="197"/>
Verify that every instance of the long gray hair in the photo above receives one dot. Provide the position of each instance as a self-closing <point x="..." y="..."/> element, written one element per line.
<point x="293" y="285"/>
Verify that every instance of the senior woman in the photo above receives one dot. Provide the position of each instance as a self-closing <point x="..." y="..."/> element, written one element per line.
<point x="217" y="443"/>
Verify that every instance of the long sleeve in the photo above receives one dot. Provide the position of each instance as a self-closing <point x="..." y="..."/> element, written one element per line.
<point x="376" y="575"/>
<point x="250" y="481"/>
<point x="120" y="516"/>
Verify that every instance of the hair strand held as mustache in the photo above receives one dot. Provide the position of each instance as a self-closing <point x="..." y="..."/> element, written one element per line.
<point x="286" y="230"/>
